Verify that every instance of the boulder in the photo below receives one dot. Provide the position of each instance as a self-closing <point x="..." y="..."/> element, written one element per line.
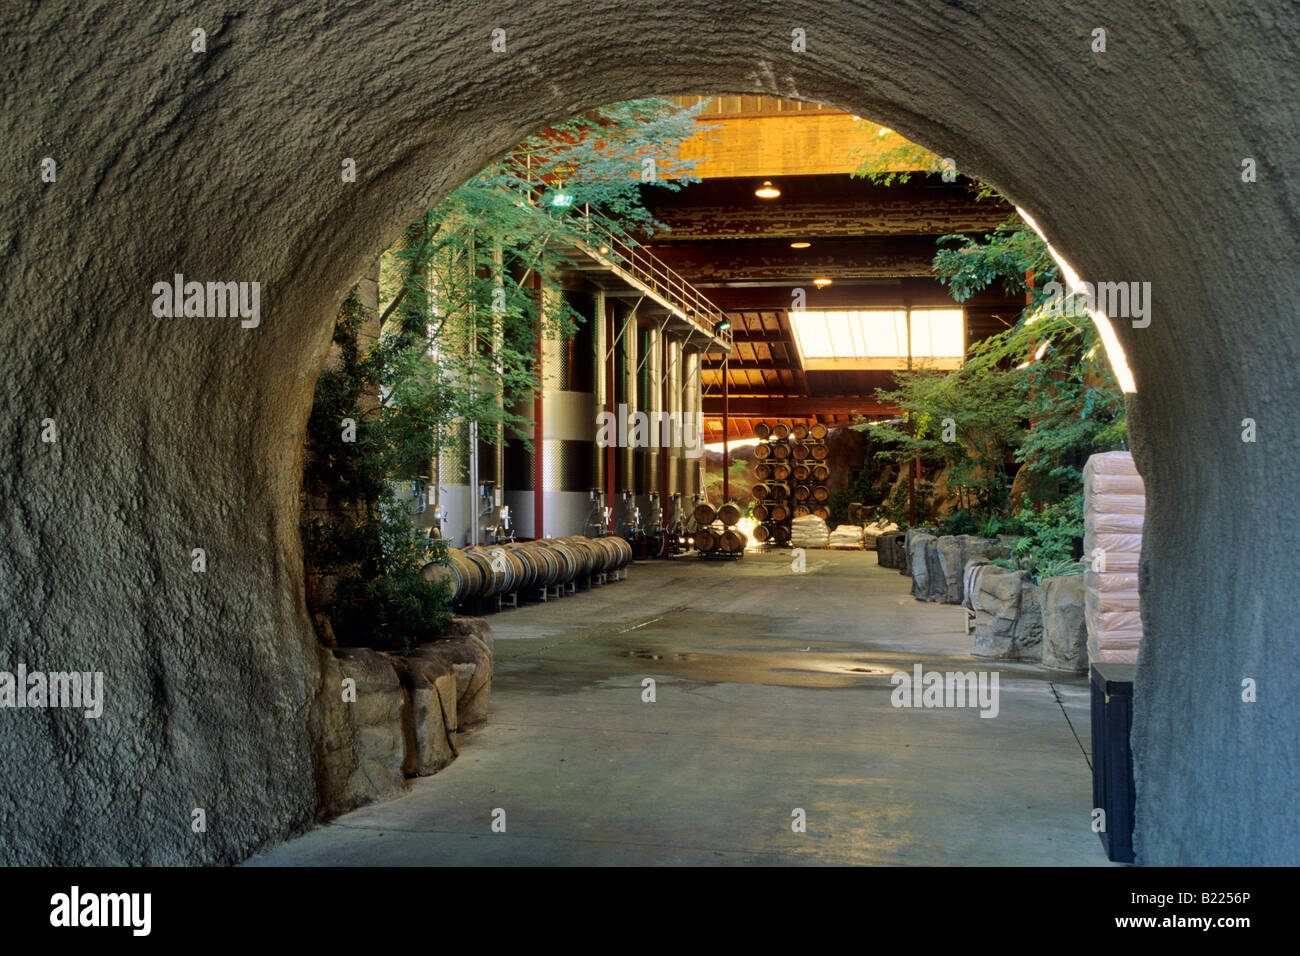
<point x="362" y="746"/>
<point x="430" y="722"/>
<point x="1065" y="630"/>
<point x="889" y="549"/>
<point x="919" y="545"/>
<point x="1008" y="618"/>
<point x="466" y="650"/>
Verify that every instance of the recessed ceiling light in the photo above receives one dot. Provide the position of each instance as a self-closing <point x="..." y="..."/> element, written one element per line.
<point x="821" y="283"/>
<point x="800" y="245"/>
<point x="767" y="190"/>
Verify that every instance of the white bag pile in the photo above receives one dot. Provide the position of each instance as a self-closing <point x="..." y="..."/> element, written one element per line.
<point x="874" y="530"/>
<point x="808" y="532"/>
<point x="846" y="536"/>
<point x="1114" y="502"/>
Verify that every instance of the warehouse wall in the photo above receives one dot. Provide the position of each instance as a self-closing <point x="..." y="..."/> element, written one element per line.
<point x="174" y="434"/>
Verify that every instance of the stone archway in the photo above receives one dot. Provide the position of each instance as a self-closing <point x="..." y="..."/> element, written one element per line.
<point x="175" y="434"/>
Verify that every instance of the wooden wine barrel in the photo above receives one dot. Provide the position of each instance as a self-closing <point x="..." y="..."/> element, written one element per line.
<point x="762" y="451"/>
<point x="801" y="472"/>
<point x="705" y="540"/>
<point x="505" y="574"/>
<point x="818" y="452"/>
<point x="549" y="563"/>
<point x="433" y="571"/>
<point x="591" y="559"/>
<point x="760" y="491"/>
<point x="490" y="580"/>
<point x="778" y="491"/>
<point x="531" y="570"/>
<point x="801" y="492"/>
<point x="568" y="560"/>
<point x="822" y="512"/>
<point x="469" y="575"/>
<point x="779" y="513"/>
<point x="780" y="430"/>
<point x="729" y="514"/>
<point x="762" y="430"/>
<point x="780" y="452"/>
<point x="820" y="473"/>
<point x="623" y="550"/>
<point x="762" y="471"/>
<point x="801" y="511"/>
<point x="799" y="432"/>
<point x="733" y="541"/>
<point x="781" y="472"/>
<point x="821" y="493"/>
<point x="818" y="431"/>
<point x="781" y="534"/>
<point x="762" y="532"/>
<point x="799" y="451"/>
<point x="704" y="514"/>
<point x="761" y="513"/>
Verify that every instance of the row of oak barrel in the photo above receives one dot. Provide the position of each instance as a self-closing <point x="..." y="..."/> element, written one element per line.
<point x="730" y="541"/>
<point x="523" y="565"/>
<point x="798" y="431"/>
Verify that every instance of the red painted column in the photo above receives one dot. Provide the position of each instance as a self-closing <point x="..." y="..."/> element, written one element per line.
<point x="611" y="450"/>
<point x="539" y="446"/>
<point x="726" y="428"/>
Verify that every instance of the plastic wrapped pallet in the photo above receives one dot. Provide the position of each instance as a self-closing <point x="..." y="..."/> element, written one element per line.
<point x="874" y="530"/>
<point x="808" y="532"/>
<point x="1114" y="505"/>
<point x="847" y="536"/>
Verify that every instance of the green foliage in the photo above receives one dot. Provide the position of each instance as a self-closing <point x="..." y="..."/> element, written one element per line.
<point x="456" y="343"/>
<point x="1053" y="540"/>
<point x="394" y="611"/>
<point x="959" y="522"/>
<point x="1040" y="394"/>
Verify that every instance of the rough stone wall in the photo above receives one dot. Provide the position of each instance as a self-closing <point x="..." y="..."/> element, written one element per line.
<point x="183" y="433"/>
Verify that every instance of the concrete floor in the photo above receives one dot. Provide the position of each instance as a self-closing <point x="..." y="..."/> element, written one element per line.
<point x="772" y="694"/>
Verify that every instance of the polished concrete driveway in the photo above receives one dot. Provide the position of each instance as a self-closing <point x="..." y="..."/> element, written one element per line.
<point x="772" y="693"/>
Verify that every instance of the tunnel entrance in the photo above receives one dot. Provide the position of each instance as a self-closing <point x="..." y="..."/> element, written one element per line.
<point x="189" y="431"/>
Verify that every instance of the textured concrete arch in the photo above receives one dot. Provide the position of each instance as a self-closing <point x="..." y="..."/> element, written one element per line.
<point x="224" y="165"/>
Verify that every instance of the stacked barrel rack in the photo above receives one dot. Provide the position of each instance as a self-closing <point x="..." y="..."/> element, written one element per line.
<point x="497" y="576"/>
<point x="790" y="474"/>
<point x="711" y="541"/>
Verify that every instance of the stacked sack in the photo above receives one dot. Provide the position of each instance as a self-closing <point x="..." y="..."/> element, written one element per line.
<point x="1114" y="503"/>
<point x="808" y="532"/>
<point x="846" y="536"/>
<point x="874" y="530"/>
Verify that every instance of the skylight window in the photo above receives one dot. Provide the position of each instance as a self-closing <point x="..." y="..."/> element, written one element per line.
<point x="877" y="338"/>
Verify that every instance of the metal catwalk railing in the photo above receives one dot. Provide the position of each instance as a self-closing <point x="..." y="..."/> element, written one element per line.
<point x="656" y="276"/>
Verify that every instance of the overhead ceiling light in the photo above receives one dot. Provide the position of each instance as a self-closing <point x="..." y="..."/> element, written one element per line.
<point x="800" y="245"/>
<point x="767" y="190"/>
<point x="821" y="283"/>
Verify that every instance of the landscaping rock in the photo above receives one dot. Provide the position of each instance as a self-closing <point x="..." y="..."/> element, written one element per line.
<point x="888" y="549"/>
<point x="1008" y="618"/>
<point x="1065" y="630"/>
<point x="362" y="746"/>
<point x="918" y="546"/>
<point x="431" y="720"/>
<point x="468" y="655"/>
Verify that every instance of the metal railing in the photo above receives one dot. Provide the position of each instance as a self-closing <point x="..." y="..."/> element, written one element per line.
<point x="655" y="275"/>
